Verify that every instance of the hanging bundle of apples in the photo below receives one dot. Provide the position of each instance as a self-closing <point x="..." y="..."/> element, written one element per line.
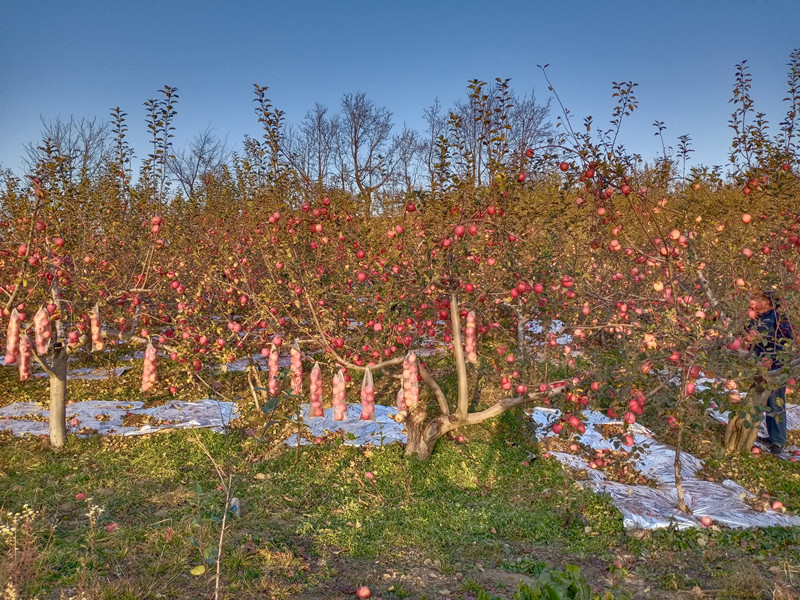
<point x="25" y="355"/>
<point x="471" y="341"/>
<point x="367" y="397"/>
<point x="410" y="380"/>
<point x="339" y="397"/>
<point x="12" y="339"/>
<point x="273" y="385"/>
<point x="401" y="401"/>
<point x="43" y="333"/>
<point x="297" y="369"/>
<point x="94" y="323"/>
<point x="315" y="393"/>
<point x="149" y="373"/>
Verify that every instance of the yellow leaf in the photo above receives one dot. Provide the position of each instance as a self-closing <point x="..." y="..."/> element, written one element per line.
<point x="198" y="570"/>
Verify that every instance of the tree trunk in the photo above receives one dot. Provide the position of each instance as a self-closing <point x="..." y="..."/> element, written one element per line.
<point x="415" y="430"/>
<point x="521" y="323"/>
<point x="745" y="420"/>
<point x="58" y="398"/>
<point x="417" y="444"/>
<point x="678" y="475"/>
<point x="422" y="437"/>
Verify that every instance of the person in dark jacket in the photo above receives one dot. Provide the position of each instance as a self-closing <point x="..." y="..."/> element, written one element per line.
<point x="775" y="331"/>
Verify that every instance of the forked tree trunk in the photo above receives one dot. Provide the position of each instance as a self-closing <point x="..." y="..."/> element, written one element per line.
<point x="58" y="398"/>
<point x="422" y="437"/>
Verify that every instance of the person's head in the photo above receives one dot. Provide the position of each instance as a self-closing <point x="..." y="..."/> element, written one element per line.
<point x="762" y="301"/>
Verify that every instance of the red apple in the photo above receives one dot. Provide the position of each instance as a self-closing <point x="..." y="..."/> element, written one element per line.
<point x="363" y="592"/>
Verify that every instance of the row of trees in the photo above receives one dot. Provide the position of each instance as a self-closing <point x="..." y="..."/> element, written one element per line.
<point x="357" y="150"/>
<point x="651" y="272"/>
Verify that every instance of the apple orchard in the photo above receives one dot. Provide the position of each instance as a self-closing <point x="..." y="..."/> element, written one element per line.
<point x="428" y="291"/>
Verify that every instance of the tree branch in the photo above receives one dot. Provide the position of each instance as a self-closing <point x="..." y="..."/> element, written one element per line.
<point x="512" y="402"/>
<point x="461" y="363"/>
<point x="427" y="378"/>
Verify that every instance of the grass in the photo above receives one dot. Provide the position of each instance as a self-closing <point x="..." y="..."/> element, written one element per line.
<point x="313" y="525"/>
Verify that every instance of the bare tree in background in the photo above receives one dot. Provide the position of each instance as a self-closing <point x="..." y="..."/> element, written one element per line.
<point x="492" y="129"/>
<point x="205" y="155"/>
<point x="436" y="128"/>
<point x="311" y="147"/>
<point x="409" y="147"/>
<point x="366" y="147"/>
<point x="73" y="151"/>
<point x="530" y="127"/>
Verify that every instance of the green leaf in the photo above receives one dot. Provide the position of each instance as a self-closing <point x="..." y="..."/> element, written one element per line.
<point x="210" y="554"/>
<point x="269" y="405"/>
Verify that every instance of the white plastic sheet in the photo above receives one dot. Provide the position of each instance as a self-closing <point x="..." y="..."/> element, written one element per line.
<point x="645" y="507"/>
<point x="106" y="416"/>
<point x="556" y="326"/>
<point x="383" y="430"/>
<point x="91" y="373"/>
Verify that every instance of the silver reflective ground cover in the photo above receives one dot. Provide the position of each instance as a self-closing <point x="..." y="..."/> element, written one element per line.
<point x="383" y="430"/>
<point x="645" y="507"/>
<point x="105" y="417"/>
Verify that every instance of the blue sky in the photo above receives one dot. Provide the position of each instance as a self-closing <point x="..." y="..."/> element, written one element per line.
<point x="82" y="57"/>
